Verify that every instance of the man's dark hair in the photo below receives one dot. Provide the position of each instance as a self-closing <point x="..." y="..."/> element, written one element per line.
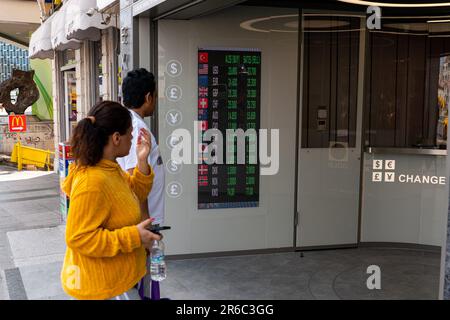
<point x="136" y="85"/>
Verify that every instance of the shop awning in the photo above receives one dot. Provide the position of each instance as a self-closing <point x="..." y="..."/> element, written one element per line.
<point x="41" y="42"/>
<point x="84" y="22"/>
<point x="58" y="33"/>
<point x="104" y="5"/>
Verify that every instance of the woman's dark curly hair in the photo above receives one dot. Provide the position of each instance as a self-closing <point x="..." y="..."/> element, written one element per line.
<point x="91" y="134"/>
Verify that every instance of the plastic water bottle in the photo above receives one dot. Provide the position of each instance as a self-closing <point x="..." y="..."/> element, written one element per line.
<point x="157" y="263"/>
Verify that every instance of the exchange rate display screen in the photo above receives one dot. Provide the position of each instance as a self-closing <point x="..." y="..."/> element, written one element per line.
<point x="229" y="85"/>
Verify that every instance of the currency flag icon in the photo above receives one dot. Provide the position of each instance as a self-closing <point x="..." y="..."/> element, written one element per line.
<point x="203" y="92"/>
<point x="203" y="57"/>
<point x="203" y="169"/>
<point x="202" y="114"/>
<point x="203" y="68"/>
<point x="203" y="181"/>
<point x="203" y="81"/>
<point x="203" y="103"/>
<point x="204" y="125"/>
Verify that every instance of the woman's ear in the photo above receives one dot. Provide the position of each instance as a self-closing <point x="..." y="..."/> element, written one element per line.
<point x="115" y="138"/>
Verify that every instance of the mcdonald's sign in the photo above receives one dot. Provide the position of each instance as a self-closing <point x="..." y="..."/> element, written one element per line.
<point x="17" y="123"/>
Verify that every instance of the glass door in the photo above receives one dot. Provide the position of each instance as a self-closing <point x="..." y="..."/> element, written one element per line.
<point x="70" y="101"/>
<point x="330" y="139"/>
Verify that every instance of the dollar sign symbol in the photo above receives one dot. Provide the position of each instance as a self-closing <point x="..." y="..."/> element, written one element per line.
<point x="173" y="68"/>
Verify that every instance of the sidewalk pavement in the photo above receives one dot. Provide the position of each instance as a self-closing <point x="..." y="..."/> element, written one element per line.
<point x="32" y="246"/>
<point x="29" y="210"/>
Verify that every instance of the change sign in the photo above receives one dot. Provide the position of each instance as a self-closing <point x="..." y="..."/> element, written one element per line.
<point x="17" y="123"/>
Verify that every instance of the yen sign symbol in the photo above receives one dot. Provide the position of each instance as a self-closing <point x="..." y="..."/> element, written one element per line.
<point x="173" y="117"/>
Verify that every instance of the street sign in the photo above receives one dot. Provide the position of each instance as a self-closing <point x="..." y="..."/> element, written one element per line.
<point x="17" y="123"/>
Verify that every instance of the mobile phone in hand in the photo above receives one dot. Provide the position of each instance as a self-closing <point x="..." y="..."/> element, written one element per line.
<point x="156" y="229"/>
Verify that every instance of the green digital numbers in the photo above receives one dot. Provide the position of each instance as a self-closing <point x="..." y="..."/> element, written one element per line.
<point x="232" y="125"/>
<point x="232" y="58"/>
<point x="232" y="82"/>
<point x="251" y="60"/>
<point x="251" y="93"/>
<point x="232" y="104"/>
<point x="231" y="181"/>
<point x="232" y="93"/>
<point x="251" y="71"/>
<point x="250" y="170"/>
<point x="256" y="60"/>
<point x="251" y="104"/>
<point x="232" y="115"/>
<point x="232" y="170"/>
<point x="232" y="71"/>
<point x="251" y="82"/>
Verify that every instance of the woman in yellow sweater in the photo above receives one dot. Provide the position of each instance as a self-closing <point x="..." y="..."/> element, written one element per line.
<point x="105" y="237"/>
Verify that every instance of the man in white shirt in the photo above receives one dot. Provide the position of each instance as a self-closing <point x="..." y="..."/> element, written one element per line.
<point x="139" y="96"/>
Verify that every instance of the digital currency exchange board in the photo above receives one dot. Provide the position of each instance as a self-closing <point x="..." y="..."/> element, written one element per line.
<point x="229" y="85"/>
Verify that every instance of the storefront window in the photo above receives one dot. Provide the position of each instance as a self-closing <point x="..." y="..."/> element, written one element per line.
<point x="330" y="80"/>
<point x="406" y="87"/>
<point x="98" y="81"/>
<point x="68" y="57"/>
<point x="70" y="88"/>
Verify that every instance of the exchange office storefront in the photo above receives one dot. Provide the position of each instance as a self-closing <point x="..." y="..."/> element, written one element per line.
<point x="81" y="42"/>
<point x="362" y="114"/>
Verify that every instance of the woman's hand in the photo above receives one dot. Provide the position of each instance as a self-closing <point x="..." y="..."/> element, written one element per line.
<point x="143" y="148"/>
<point x="144" y="145"/>
<point x="147" y="237"/>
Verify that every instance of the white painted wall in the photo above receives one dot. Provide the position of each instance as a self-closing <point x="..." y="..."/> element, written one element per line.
<point x="271" y="224"/>
<point x="406" y="213"/>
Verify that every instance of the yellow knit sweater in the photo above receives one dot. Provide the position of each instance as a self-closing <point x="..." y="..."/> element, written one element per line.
<point x="104" y="255"/>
